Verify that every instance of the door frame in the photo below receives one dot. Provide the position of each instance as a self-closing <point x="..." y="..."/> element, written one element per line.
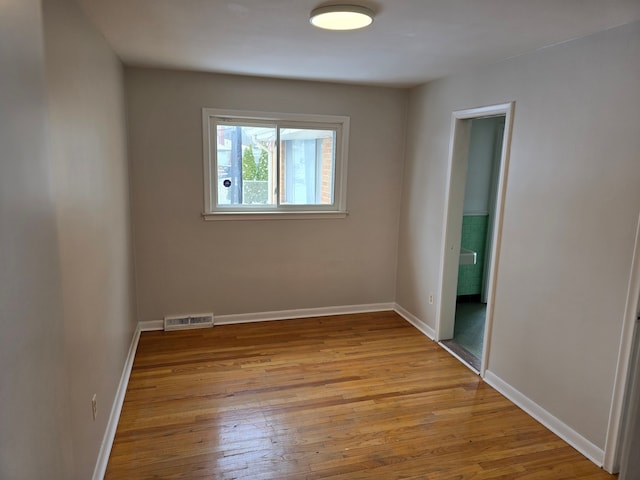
<point x="613" y="443"/>
<point x="452" y="221"/>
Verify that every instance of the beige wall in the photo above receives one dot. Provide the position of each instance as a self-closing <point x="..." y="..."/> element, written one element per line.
<point x="34" y="416"/>
<point x="88" y="155"/>
<point x="571" y="211"/>
<point x="184" y="264"/>
<point x="66" y="302"/>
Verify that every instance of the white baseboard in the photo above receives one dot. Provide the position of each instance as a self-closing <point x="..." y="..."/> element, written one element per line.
<point x="151" y="325"/>
<point x="300" y="313"/>
<point x="110" y="433"/>
<point x="415" y="321"/>
<point x="564" y="431"/>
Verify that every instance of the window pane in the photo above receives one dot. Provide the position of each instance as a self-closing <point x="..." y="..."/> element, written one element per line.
<point x="245" y="165"/>
<point x="307" y="165"/>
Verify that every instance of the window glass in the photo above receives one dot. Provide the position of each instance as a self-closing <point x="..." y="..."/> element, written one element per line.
<point x="245" y="173"/>
<point x="307" y="163"/>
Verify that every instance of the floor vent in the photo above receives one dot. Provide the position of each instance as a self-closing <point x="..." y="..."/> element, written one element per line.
<point x="194" y="320"/>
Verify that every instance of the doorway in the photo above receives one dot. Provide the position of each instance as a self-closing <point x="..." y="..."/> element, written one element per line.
<point x="623" y="435"/>
<point x="630" y="440"/>
<point x="476" y="179"/>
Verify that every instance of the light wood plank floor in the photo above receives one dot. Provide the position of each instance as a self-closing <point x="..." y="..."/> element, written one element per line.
<point x="362" y="396"/>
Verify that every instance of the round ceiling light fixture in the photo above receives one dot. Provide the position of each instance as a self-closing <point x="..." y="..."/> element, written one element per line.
<point x="341" y="17"/>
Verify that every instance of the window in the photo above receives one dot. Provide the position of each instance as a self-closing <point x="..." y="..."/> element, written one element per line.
<point x="258" y="164"/>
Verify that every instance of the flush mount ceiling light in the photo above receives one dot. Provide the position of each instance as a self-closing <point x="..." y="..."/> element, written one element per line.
<point x="341" y="17"/>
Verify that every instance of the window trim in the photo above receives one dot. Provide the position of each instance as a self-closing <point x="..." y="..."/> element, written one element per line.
<point x="280" y="120"/>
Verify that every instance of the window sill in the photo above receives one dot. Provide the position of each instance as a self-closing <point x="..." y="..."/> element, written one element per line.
<point x="273" y="215"/>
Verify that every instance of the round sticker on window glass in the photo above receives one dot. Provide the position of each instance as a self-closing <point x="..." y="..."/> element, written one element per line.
<point x="227" y="183"/>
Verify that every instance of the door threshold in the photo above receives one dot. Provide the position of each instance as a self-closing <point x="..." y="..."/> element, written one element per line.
<point x="469" y="360"/>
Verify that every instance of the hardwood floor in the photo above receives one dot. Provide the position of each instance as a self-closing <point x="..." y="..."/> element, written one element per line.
<point x="362" y="396"/>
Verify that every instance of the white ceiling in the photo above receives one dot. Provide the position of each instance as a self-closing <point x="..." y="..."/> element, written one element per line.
<point x="410" y="42"/>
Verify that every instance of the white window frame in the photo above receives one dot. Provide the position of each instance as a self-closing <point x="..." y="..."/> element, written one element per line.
<point x="338" y="209"/>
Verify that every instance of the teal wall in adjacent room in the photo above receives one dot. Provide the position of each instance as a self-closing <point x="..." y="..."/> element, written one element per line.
<point x="474" y="237"/>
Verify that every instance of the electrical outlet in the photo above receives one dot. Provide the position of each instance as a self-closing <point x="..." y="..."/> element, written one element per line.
<point x="94" y="406"/>
<point x="431" y="299"/>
